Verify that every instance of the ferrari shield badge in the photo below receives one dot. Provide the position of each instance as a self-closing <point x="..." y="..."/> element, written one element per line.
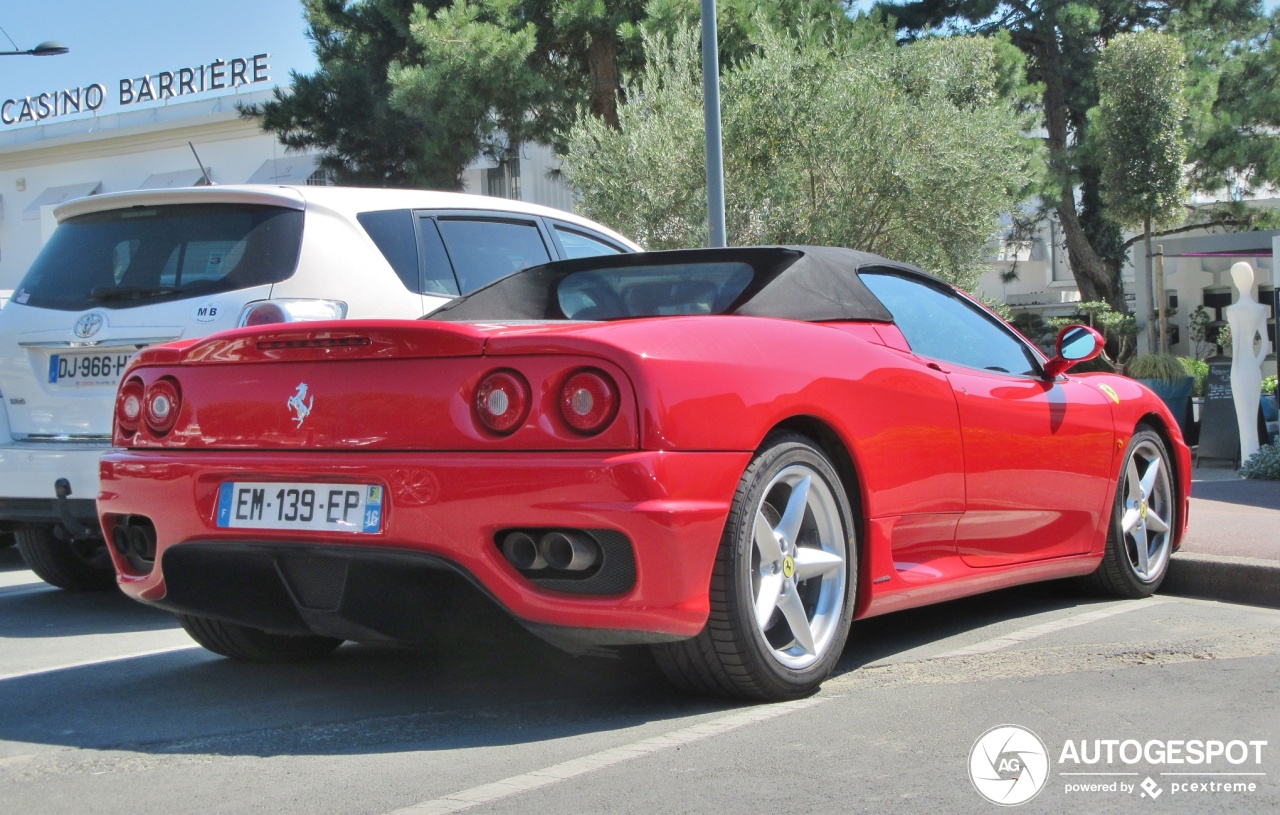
<point x="1109" y="391"/>
<point x="300" y="405"/>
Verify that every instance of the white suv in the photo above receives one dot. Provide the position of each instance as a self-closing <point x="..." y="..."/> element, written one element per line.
<point x="127" y="270"/>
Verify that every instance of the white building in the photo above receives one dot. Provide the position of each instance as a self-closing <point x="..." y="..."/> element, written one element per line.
<point x="45" y="162"/>
<point x="1196" y="271"/>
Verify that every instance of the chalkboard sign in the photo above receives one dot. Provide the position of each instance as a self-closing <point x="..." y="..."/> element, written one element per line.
<point x="1219" y="433"/>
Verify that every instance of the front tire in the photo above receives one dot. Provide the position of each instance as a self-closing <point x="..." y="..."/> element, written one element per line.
<point x="253" y="644"/>
<point x="1143" y="519"/>
<point x="71" y="565"/>
<point x="783" y="586"/>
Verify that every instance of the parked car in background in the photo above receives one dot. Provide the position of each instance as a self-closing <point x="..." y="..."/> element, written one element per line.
<point x="129" y="270"/>
<point x="726" y="454"/>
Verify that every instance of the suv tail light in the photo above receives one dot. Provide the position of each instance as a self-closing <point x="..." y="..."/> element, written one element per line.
<point x="268" y="312"/>
<point x="161" y="405"/>
<point x="502" y="401"/>
<point x="589" y="401"/>
<point x="129" y="406"/>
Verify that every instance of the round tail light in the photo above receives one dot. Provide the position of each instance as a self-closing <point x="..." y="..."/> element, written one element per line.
<point x="589" y="401"/>
<point x="502" y="401"/>
<point x="266" y="313"/>
<point x="129" y="406"/>
<point x="160" y="406"/>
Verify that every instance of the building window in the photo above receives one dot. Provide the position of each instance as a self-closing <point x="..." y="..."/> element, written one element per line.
<point x="503" y="181"/>
<point x="322" y="177"/>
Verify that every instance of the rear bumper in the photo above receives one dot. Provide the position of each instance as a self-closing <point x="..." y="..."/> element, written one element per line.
<point x="28" y="471"/>
<point x="442" y="512"/>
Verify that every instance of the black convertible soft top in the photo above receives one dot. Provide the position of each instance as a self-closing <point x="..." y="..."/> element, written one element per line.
<point x="810" y="283"/>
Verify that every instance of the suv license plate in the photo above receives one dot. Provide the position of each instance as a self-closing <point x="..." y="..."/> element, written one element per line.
<point x="300" y="506"/>
<point x="87" y="370"/>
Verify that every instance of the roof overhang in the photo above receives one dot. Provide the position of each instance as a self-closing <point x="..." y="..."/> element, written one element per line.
<point x="53" y="196"/>
<point x="194" y="177"/>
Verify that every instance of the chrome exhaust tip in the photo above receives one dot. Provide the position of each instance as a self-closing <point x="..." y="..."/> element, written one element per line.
<point x="522" y="551"/>
<point x="569" y="551"/>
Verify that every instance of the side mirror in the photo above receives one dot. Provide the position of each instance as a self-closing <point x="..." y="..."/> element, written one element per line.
<point x="1076" y="343"/>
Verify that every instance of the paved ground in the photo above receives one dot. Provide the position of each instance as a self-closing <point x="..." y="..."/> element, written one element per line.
<point x="105" y="706"/>
<point x="1233" y="516"/>
<point x="1232" y="549"/>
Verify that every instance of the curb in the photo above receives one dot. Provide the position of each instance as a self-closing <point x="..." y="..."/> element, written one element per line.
<point x="1228" y="579"/>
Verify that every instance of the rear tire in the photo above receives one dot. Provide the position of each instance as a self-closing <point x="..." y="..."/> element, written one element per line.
<point x="70" y="565"/>
<point x="253" y="644"/>
<point x="783" y="586"/>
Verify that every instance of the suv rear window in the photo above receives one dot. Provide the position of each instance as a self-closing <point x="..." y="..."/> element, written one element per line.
<point x="119" y="258"/>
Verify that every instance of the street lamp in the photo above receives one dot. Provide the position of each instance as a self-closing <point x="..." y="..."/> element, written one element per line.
<point x="711" y="122"/>
<point x="48" y="48"/>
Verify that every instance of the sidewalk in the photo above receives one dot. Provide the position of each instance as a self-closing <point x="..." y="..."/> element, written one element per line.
<point x="1232" y="549"/>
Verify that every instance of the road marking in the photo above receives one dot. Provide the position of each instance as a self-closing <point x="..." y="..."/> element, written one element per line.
<point x="25" y="588"/>
<point x="86" y="663"/>
<point x="517" y="784"/>
<point x="1019" y="637"/>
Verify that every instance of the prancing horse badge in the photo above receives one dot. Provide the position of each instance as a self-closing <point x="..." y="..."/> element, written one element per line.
<point x="300" y="404"/>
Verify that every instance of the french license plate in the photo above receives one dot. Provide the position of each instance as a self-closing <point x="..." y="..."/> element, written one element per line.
<point x="306" y="506"/>
<point x="86" y="370"/>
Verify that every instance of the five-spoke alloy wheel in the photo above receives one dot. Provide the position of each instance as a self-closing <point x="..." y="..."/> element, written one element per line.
<point x="782" y="592"/>
<point x="1143" y="521"/>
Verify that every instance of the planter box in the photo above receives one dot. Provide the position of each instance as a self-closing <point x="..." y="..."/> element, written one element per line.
<point x="1177" y="397"/>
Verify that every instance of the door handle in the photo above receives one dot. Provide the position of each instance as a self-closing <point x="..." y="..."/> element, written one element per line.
<point x="937" y="367"/>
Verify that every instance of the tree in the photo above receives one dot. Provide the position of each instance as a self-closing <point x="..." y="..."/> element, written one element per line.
<point x="1062" y="41"/>
<point x="343" y="109"/>
<point x="1141" y="116"/>
<point x="910" y="152"/>
<point x="408" y="92"/>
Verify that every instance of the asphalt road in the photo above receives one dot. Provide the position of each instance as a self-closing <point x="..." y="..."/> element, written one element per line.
<point x="106" y="706"/>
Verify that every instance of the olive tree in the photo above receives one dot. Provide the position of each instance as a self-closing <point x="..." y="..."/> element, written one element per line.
<point x="1142" y="113"/>
<point x="909" y="152"/>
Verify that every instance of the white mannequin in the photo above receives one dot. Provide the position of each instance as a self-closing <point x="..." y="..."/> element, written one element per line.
<point x="1247" y="318"/>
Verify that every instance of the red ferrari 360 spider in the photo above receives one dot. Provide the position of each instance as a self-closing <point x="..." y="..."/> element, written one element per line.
<point x="725" y="454"/>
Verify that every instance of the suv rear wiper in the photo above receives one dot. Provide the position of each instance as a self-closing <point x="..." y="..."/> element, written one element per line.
<point x="130" y="292"/>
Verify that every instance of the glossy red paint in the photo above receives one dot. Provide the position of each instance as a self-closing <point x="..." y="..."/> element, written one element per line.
<point x="671" y="505"/>
<point x="963" y="481"/>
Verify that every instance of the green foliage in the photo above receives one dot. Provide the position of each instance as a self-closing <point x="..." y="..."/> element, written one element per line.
<point x="1199" y="369"/>
<point x="1119" y="329"/>
<point x="1199" y="320"/>
<point x="1034" y="327"/>
<point x="910" y="152"/>
<point x="468" y="88"/>
<point x="1141" y="112"/>
<point x="1161" y="367"/>
<point x="1269" y="385"/>
<point x="408" y="92"/>
<point x="1224" y="340"/>
<point x="342" y="108"/>
<point x="1264" y="464"/>
<point x="739" y="23"/>
<point x="1232" y="88"/>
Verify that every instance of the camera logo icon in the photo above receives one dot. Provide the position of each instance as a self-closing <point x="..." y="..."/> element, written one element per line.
<point x="1008" y="765"/>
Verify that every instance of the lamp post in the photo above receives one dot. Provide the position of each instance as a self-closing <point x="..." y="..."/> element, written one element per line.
<point x="44" y="49"/>
<point x="711" y="116"/>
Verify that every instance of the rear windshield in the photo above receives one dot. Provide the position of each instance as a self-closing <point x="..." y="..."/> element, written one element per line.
<point x="124" y="257"/>
<point x="653" y="291"/>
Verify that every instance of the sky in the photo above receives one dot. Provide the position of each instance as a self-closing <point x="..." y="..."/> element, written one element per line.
<point x="110" y="41"/>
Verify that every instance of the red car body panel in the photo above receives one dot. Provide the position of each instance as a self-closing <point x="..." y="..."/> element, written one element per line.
<point x="962" y="481"/>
